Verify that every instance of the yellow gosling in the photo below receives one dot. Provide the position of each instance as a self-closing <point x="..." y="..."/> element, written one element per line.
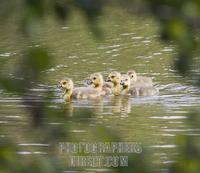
<point x="125" y="83"/>
<point x="97" y="82"/>
<point x="77" y="93"/>
<point x="115" y="78"/>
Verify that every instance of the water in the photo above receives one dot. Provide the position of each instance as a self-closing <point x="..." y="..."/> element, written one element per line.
<point x="126" y="44"/>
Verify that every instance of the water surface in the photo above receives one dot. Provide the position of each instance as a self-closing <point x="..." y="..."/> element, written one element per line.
<point x="127" y="43"/>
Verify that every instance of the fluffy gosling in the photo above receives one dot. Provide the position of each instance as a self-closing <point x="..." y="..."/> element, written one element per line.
<point x="139" y="80"/>
<point x="115" y="78"/>
<point x="77" y="93"/>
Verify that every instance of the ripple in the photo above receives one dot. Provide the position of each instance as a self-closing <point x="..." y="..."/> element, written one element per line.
<point x="169" y="117"/>
<point x="13" y="116"/>
<point x="180" y="130"/>
<point x="127" y="33"/>
<point x="72" y="57"/>
<point x="146" y="41"/>
<point x="34" y="144"/>
<point x="29" y="153"/>
<point x="157" y="53"/>
<point x="168" y="162"/>
<point x="166" y="134"/>
<point x="167" y="49"/>
<point x="3" y="122"/>
<point x="115" y="55"/>
<point x="164" y="146"/>
<point x="51" y="70"/>
<point x="99" y="170"/>
<point x="112" y="50"/>
<point x="92" y="53"/>
<point x="6" y="54"/>
<point x="61" y="66"/>
<point x="65" y="27"/>
<point x="78" y="131"/>
<point x="137" y="38"/>
<point x="108" y="47"/>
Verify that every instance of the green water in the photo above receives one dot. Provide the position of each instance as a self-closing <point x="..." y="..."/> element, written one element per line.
<point x="127" y="42"/>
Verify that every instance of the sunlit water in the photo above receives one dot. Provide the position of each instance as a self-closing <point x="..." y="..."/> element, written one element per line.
<point x="132" y="44"/>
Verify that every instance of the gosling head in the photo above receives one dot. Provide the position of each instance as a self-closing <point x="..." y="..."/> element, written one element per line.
<point x="66" y="84"/>
<point x="132" y="74"/>
<point x="125" y="81"/>
<point x="114" y="77"/>
<point x="96" y="80"/>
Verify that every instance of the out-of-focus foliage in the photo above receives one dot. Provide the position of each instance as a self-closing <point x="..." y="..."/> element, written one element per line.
<point x="180" y="20"/>
<point x="12" y="162"/>
<point x="189" y="150"/>
<point x="180" y="23"/>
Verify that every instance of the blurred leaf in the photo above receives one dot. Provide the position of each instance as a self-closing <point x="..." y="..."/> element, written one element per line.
<point x="35" y="8"/>
<point x="92" y="8"/>
<point x="61" y="10"/>
<point x="12" y="85"/>
<point x="182" y="63"/>
<point x="38" y="59"/>
<point x="105" y="134"/>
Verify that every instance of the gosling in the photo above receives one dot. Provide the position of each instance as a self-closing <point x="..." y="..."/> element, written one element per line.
<point x="115" y="78"/>
<point x="77" y="93"/>
<point x="125" y="83"/>
<point x="97" y="82"/>
<point x="136" y="91"/>
<point x="139" y="80"/>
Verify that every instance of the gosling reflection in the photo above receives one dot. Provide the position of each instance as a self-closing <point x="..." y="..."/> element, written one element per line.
<point x="69" y="109"/>
<point x="116" y="105"/>
<point x="95" y="106"/>
<point x="120" y="104"/>
<point x="126" y="105"/>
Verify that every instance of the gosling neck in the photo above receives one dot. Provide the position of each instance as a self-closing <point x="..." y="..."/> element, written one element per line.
<point x="99" y="87"/>
<point x="116" y="89"/>
<point x="125" y="89"/>
<point x="67" y="94"/>
<point x="135" y="78"/>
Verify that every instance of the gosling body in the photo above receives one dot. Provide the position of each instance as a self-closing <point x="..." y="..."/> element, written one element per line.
<point x="139" y="80"/>
<point x="144" y="91"/>
<point x="96" y="81"/>
<point x="138" y="90"/>
<point x="77" y="93"/>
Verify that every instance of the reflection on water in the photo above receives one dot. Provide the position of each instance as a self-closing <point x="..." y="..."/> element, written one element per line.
<point x="154" y="121"/>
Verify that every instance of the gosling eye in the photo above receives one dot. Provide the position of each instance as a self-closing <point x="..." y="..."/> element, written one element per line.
<point x="132" y="76"/>
<point x="94" y="78"/>
<point x="112" y="76"/>
<point x="64" y="83"/>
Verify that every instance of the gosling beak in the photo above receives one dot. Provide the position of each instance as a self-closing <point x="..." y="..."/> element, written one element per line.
<point x="87" y="82"/>
<point x="108" y="80"/>
<point x="122" y="83"/>
<point x="59" y="86"/>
